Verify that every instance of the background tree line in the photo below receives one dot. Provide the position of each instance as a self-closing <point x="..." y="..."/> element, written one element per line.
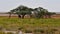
<point x="38" y="12"/>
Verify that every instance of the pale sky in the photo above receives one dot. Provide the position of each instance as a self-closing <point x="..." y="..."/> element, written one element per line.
<point x="51" y="5"/>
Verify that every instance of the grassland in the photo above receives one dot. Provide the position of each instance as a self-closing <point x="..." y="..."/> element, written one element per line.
<point x="14" y="23"/>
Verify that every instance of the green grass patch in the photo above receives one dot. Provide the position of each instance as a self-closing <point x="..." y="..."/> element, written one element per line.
<point x="15" y="23"/>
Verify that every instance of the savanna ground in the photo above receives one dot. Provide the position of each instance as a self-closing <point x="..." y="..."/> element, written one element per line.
<point x="31" y="24"/>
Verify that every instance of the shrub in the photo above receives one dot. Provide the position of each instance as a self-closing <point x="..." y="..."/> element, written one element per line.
<point x="39" y="30"/>
<point x="54" y="29"/>
<point x="20" y="28"/>
<point x="28" y="31"/>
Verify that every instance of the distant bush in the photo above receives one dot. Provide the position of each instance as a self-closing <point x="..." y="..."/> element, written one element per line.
<point x="28" y="31"/>
<point x="20" y="28"/>
<point x="39" y="30"/>
<point x="54" y="29"/>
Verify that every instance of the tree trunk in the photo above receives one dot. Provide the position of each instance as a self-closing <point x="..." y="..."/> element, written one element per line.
<point x="19" y="16"/>
<point x="23" y="16"/>
<point x="49" y="16"/>
<point x="9" y="15"/>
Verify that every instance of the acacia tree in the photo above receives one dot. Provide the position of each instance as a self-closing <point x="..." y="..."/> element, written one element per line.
<point x="43" y="12"/>
<point x="22" y="10"/>
<point x="40" y="12"/>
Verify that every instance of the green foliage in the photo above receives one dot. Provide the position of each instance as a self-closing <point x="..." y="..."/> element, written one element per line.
<point x="23" y="10"/>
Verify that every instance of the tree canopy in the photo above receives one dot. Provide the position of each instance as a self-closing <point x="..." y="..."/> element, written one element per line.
<point x="23" y="10"/>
